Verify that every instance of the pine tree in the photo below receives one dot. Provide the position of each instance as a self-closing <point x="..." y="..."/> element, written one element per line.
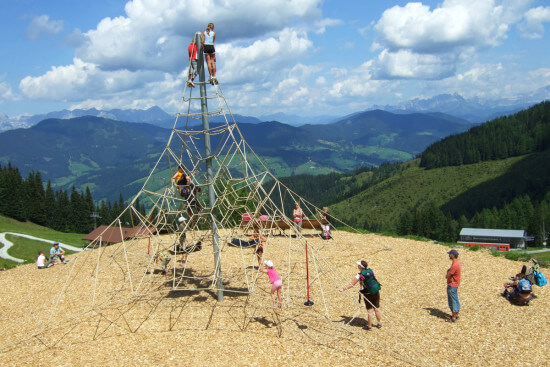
<point x="12" y="194"/>
<point x="49" y="205"/>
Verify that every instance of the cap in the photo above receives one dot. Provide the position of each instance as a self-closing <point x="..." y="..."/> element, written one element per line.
<point x="453" y="252"/>
<point x="181" y="219"/>
<point x="56" y="243"/>
<point x="361" y="265"/>
<point x="268" y="263"/>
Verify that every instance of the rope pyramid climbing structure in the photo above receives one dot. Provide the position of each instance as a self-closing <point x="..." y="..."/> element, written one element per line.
<point x="222" y="199"/>
<point x="215" y="213"/>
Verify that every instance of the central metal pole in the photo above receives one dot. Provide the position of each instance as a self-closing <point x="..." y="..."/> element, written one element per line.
<point x="209" y="175"/>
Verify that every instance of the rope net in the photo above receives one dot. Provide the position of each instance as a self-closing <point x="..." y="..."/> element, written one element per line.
<point x="122" y="287"/>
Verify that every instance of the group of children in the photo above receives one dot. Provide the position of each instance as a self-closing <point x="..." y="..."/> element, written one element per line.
<point x="57" y="255"/>
<point x="208" y="38"/>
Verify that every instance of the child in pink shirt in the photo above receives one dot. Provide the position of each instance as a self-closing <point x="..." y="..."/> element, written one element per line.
<point x="275" y="280"/>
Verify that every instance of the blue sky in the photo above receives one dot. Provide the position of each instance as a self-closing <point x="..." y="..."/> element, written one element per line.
<point x="294" y="56"/>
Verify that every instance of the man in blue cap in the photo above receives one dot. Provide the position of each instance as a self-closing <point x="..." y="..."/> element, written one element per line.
<point x="453" y="281"/>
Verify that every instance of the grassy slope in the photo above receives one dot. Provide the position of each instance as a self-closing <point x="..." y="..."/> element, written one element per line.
<point x="12" y="225"/>
<point x="385" y="202"/>
<point x="27" y="249"/>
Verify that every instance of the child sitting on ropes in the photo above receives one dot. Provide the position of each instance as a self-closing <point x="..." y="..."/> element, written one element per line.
<point x="164" y="258"/>
<point x="518" y="292"/>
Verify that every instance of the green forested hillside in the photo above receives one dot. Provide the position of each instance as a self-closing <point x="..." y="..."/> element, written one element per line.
<point x="524" y="132"/>
<point x="439" y="193"/>
<point x="436" y="203"/>
<point x="380" y="206"/>
<point x="112" y="157"/>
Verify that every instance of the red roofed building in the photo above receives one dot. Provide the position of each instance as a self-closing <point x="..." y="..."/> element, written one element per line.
<point x="110" y="235"/>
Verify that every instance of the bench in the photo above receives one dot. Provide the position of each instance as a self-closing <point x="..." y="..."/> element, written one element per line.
<point x="280" y="224"/>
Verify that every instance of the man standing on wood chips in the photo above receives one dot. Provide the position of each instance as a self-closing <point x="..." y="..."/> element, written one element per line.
<point x="453" y="281"/>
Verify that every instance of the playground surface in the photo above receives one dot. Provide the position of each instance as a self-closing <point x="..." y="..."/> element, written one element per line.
<point x="49" y="325"/>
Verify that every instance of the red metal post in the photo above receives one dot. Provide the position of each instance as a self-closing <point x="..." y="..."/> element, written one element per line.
<point x="308" y="302"/>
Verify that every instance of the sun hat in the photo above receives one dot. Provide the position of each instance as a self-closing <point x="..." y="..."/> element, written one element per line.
<point x="361" y="265"/>
<point x="268" y="263"/>
<point x="181" y="219"/>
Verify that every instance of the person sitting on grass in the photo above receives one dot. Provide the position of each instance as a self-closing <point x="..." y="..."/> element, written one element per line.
<point x="41" y="262"/>
<point x="57" y="253"/>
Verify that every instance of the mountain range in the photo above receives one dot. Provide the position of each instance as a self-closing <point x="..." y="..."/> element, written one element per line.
<point x="473" y="110"/>
<point x="154" y="116"/>
<point x="112" y="156"/>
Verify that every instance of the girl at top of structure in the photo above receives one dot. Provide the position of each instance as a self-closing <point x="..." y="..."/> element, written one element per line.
<point x="207" y="40"/>
<point x="275" y="280"/>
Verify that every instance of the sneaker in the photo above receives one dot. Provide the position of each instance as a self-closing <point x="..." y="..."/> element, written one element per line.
<point x="215" y="80"/>
<point x="189" y="83"/>
<point x="65" y="261"/>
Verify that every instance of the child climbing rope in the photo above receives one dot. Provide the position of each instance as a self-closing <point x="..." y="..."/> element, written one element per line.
<point x="275" y="280"/>
<point x="207" y="40"/>
<point x="192" y="63"/>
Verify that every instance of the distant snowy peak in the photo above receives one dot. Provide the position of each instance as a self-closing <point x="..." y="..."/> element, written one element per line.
<point x="151" y="115"/>
<point x="475" y="109"/>
<point x="154" y="115"/>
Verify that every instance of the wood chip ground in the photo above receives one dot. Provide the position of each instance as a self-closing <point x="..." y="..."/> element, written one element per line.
<point x="47" y="316"/>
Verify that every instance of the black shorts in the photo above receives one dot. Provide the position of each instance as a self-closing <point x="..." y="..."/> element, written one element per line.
<point x="372" y="300"/>
<point x="209" y="49"/>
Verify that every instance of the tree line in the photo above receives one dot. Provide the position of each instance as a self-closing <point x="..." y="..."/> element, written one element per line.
<point x="524" y="132"/>
<point x="327" y="189"/>
<point x="28" y="199"/>
<point x="521" y="213"/>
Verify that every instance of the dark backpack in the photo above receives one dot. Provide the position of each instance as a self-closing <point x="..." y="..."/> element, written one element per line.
<point x="186" y="191"/>
<point x="370" y="283"/>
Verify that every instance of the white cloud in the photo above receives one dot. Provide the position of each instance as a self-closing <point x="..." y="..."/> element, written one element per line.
<point x="322" y="24"/>
<point x="406" y="64"/>
<point x="132" y="41"/>
<point x="6" y="92"/>
<point x="418" y="42"/>
<point x="532" y="25"/>
<point x="490" y="81"/>
<point x="82" y="80"/>
<point x="143" y="55"/>
<point x="264" y="59"/>
<point x="263" y="48"/>
<point x="456" y="23"/>
<point x="42" y="24"/>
